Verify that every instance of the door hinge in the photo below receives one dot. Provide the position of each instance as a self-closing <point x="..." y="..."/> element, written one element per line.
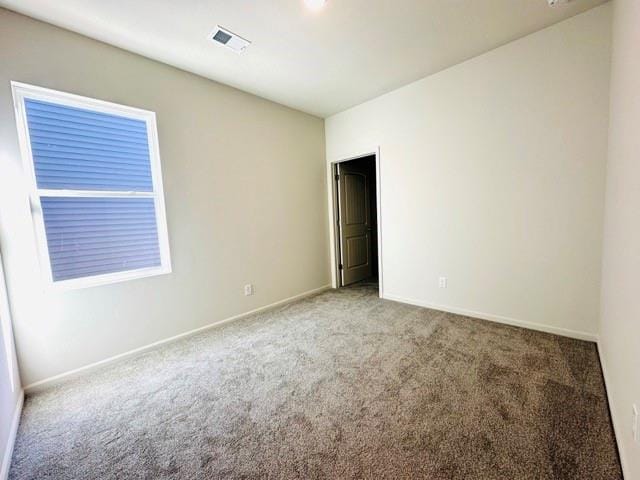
<point x="339" y="266"/>
<point x="337" y="177"/>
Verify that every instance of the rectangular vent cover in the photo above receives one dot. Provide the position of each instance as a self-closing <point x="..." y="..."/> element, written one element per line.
<point x="230" y="39"/>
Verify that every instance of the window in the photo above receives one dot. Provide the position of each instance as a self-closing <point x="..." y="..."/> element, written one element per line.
<point x="96" y="187"/>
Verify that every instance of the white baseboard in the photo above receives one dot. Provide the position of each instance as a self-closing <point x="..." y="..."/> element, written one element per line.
<point x="8" y="451"/>
<point x="498" y="319"/>
<point x="616" y="430"/>
<point x="52" y="381"/>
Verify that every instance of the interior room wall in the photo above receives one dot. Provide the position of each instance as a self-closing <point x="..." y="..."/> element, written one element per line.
<point x="245" y="191"/>
<point x="620" y="317"/>
<point x="492" y="175"/>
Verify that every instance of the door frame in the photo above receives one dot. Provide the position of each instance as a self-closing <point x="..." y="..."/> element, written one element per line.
<point x="6" y="328"/>
<point x="334" y="230"/>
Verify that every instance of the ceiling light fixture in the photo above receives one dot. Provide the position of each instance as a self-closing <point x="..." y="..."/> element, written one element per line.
<point x="315" y="4"/>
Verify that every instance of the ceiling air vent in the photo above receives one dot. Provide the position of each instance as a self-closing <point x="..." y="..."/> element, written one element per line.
<point x="230" y="39"/>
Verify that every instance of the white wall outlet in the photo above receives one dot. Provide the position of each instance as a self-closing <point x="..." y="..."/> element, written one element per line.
<point x="248" y="289"/>
<point x="635" y="427"/>
<point x="442" y="282"/>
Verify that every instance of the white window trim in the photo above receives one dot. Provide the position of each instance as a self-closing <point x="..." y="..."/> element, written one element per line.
<point x="22" y="91"/>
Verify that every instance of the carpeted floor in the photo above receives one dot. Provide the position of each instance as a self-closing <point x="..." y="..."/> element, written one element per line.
<point x="342" y="385"/>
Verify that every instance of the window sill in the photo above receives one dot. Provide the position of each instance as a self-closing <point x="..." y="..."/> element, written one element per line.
<point x="109" y="278"/>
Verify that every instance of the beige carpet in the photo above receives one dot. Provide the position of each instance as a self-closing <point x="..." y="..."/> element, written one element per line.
<point x="343" y="385"/>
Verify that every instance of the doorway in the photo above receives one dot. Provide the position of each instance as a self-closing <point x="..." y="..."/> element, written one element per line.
<point x="356" y="203"/>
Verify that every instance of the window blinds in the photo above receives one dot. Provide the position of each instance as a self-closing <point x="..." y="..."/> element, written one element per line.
<point x="93" y="236"/>
<point x="95" y="185"/>
<point x="83" y="150"/>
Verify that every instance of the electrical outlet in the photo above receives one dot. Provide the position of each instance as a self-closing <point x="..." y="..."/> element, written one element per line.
<point x="248" y="289"/>
<point x="634" y="426"/>
<point x="442" y="282"/>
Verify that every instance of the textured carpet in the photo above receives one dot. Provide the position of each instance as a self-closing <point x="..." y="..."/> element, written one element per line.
<point x="342" y="385"/>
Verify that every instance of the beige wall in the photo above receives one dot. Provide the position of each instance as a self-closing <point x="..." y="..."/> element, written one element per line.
<point x="245" y="191"/>
<point x="493" y="176"/>
<point x="620" y="318"/>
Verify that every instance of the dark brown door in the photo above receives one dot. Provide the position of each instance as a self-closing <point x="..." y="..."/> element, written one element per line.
<point x="355" y="222"/>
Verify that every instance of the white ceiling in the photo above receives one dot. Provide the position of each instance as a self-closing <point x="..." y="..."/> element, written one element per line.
<point x="319" y="62"/>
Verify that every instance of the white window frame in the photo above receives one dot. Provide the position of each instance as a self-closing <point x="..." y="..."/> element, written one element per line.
<point x="23" y="91"/>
